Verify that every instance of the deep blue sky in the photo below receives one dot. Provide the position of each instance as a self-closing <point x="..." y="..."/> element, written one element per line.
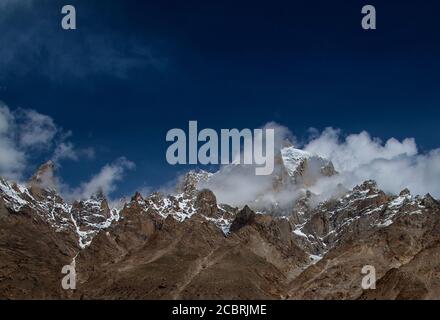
<point x="135" y="69"/>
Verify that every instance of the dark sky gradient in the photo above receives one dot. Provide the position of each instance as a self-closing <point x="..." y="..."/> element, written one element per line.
<point x="226" y="64"/>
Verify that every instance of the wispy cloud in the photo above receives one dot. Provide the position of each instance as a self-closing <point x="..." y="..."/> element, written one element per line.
<point x="393" y="164"/>
<point x="42" y="48"/>
<point x="12" y="158"/>
<point x="105" y="181"/>
<point x="67" y="150"/>
<point x="23" y="132"/>
<point x="9" y="4"/>
<point x="36" y="130"/>
<point x="26" y="134"/>
<point x="238" y="185"/>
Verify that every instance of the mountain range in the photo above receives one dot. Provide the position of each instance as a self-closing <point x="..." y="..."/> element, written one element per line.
<point x="282" y="242"/>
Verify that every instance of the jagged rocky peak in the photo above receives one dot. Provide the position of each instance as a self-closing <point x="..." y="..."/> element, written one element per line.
<point x="206" y="203"/>
<point x="137" y="197"/>
<point x="139" y="203"/>
<point x="244" y="217"/>
<point x="45" y="176"/>
<point x="99" y="196"/>
<point x="189" y="183"/>
<point x="156" y="197"/>
<point x="44" y="183"/>
<point x="95" y="210"/>
<point x="369" y="193"/>
<point x="303" y="167"/>
<point x="405" y="192"/>
<point x="429" y="202"/>
<point x="369" y="186"/>
<point x="91" y="216"/>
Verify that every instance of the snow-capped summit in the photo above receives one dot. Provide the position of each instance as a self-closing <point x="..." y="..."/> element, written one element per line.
<point x="304" y="167"/>
<point x="292" y="158"/>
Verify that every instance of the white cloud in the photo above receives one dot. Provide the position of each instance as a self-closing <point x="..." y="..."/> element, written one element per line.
<point x="5" y="119"/>
<point x="36" y="130"/>
<point x="357" y="149"/>
<point x="39" y="48"/>
<point x="12" y="159"/>
<point x="67" y="150"/>
<point x="238" y="185"/>
<point x="26" y="135"/>
<point x="105" y="181"/>
<point x="394" y="165"/>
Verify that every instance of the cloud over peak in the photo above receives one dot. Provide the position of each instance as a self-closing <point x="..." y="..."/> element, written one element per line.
<point x="105" y="180"/>
<point x="27" y="135"/>
<point x="393" y="164"/>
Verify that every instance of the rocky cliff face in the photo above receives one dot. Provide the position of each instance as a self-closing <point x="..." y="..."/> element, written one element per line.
<point x="189" y="246"/>
<point x="366" y="227"/>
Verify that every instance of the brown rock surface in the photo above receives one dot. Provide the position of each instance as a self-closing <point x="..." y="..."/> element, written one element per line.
<point x="189" y="260"/>
<point x="32" y="255"/>
<point x="185" y="246"/>
<point x="206" y="203"/>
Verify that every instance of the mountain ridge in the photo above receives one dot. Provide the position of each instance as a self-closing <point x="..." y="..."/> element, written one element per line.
<point x="187" y="245"/>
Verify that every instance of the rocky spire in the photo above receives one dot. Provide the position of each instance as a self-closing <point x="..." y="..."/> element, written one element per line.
<point x="99" y="196"/>
<point x="206" y="203"/>
<point x="368" y="185"/>
<point x="429" y="201"/>
<point x="245" y="217"/>
<point x="190" y="181"/>
<point x="137" y="197"/>
<point x="44" y="177"/>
